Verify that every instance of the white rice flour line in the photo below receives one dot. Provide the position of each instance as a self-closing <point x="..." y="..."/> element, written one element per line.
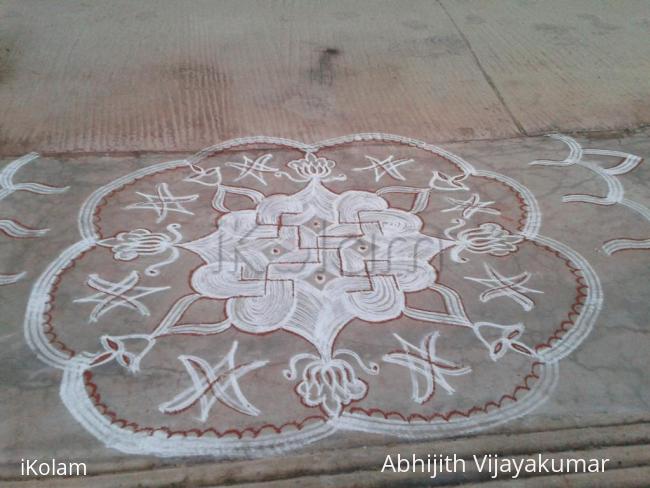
<point x="73" y="391"/>
<point x="615" y="190"/>
<point x="11" y="227"/>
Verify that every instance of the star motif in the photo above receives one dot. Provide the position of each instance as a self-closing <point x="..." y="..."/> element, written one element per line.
<point x="112" y="295"/>
<point x="471" y="206"/>
<point x="502" y="286"/>
<point x="424" y="362"/>
<point x="256" y="168"/>
<point x="214" y="383"/>
<point x="163" y="202"/>
<point x="387" y="166"/>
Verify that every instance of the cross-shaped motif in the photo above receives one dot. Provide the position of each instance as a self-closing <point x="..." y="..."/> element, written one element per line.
<point x="163" y="202"/>
<point x="112" y="295"/>
<point x="212" y="383"/>
<point x="471" y="206"/>
<point x="424" y="362"/>
<point x="387" y="166"/>
<point x="253" y="168"/>
<point x="502" y="286"/>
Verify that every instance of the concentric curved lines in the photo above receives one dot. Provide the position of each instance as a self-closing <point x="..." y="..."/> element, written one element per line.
<point x="7" y="174"/>
<point x="542" y="389"/>
<point x="575" y="153"/>
<point x="15" y="229"/>
<point x="11" y="278"/>
<point x="590" y="308"/>
<point x="85" y="221"/>
<point x="630" y="161"/>
<point x="642" y="210"/>
<point x="276" y="141"/>
<point x="75" y="397"/>
<point x="7" y="185"/>
<point x="11" y="227"/>
<point x="533" y="214"/>
<point x="463" y="165"/>
<point x="615" y="189"/>
<point x="84" y="409"/>
<point x="38" y="305"/>
<point x="615" y="245"/>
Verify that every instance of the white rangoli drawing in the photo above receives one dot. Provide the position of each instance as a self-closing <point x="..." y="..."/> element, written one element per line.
<point x="469" y="207"/>
<point x="252" y="321"/>
<point x="127" y="246"/>
<point x="10" y="227"/>
<point x="424" y="362"/>
<point x="210" y="384"/>
<point x="11" y="278"/>
<point x="386" y="167"/>
<point x="255" y="169"/>
<point x="615" y="190"/>
<point x="163" y="202"/>
<point x="111" y="295"/>
<point x="506" y="286"/>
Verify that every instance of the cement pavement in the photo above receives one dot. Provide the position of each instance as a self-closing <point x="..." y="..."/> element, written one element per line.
<point x="334" y="301"/>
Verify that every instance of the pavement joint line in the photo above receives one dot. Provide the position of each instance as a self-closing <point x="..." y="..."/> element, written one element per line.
<point x="487" y="77"/>
<point x="586" y="133"/>
<point x="297" y="473"/>
<point x="561" y="477"/>
<point x="474" y="483"/>
<point x="368" y="473"/>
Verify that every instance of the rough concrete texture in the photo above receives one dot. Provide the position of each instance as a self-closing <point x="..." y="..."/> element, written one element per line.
<point x="162" y="76"/>
<point x="183" y="318"/>
<point x="597" y="385"/>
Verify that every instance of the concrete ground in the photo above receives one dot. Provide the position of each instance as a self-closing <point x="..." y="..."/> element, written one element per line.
<point x="178" y="317"/>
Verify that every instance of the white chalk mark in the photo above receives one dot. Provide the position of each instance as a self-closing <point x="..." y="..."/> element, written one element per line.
<point x="387" y="166"/>
<point x="163" y="202"/>
<point x="111" y="295"/>
<point x="615" y="245"/>
<point x="11" y="278"/>
<point x="256" y="168"/>
<point x="615" y="190"/>
<point x="471" y="206"/>
<point x="7" y="185"/>
<point x="423" y="364"/>
<point x="15" y="229"/>
<point x="127" y="246"/>
<point x="502" y="286"/>
<point x="506" y="340"/>
<point x="219" y="198"/>
<point x="214" y="383"/>
<point x="205" y="177"/>
<point x="169" y="325"/>
<point x="439" y="181"/>
<point x="75" y="395"/>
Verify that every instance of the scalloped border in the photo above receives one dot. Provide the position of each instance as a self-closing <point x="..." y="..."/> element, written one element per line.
<point x="77" y="399"/>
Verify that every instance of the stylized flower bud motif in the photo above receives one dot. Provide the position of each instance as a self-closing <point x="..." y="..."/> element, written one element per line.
<point x="205" y="177"/>
<point x="127" y="246"/>
<point x="331" y="384"/>
<point x="312" y="167"/>
<point x="488" y="238"/>
<point x="501" y="338"/>
<point x="114" y="348"/>
<point x="443" y="182"/>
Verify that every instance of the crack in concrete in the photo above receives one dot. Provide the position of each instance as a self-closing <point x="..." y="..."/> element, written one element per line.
<point x="487" y="77"/>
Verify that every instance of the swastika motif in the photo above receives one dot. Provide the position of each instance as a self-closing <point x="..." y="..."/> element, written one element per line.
<point x="264" y="294"/>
